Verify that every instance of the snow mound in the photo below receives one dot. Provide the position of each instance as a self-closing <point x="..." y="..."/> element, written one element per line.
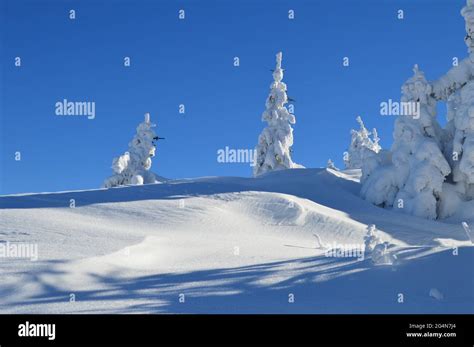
<point x="228" y="245"/>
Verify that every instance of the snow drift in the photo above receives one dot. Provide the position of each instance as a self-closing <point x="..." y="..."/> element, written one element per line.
<point x="230" y="245"/>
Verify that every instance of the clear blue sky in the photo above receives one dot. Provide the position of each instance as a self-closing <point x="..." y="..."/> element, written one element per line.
<point x="191" y="62"/>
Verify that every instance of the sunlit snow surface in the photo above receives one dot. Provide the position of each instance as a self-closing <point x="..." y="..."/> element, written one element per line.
<point x="229" y="245"/>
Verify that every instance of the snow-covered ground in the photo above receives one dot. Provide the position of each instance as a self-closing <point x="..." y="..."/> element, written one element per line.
<point x="228" y="245"/>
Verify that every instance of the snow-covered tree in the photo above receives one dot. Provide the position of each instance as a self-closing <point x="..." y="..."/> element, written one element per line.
<point x="361" y="147"/>
<point x="417" y="152"/>
<point x="376" y="248"/>
<point x="371" y="239"/>
<point x="381" y="255"/>
<point x="430" y="171"/>
<point x="331" y="165"/>
<point x="133" y="167"/>
<point x="413" y="182"/>
<point x="462" y="133"/>
<point x="275" y="141"/>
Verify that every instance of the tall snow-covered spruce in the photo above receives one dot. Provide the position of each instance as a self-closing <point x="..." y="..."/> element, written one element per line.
<point x="430" y="171"/>
<point x="275" y="141"/>
<point x="133" y="167"/>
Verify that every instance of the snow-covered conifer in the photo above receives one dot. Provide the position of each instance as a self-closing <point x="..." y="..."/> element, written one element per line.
<point x="431" y="170"/>
<point x="417" y="152"/>
<point x="371" y="239"/>
<point x="331" y="165"/>
<point x="382" y="256"/>
<point x="413" y="181"/>
<point x="133" y="167"/>
<point x="376" y="248"/>
<point x="275" y="141"/>
<point x="361" y="147"/>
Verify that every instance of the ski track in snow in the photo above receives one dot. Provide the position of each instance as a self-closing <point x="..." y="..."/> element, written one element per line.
<point x="230" y="245"/>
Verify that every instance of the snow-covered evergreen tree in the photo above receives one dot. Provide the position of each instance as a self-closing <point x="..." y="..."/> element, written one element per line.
<point x="361" y="147"/>
<point x="371" y="239"/>
<point x="417" y="152"/>
<point x="413" y="182"/>
<point x="431" y="170"/>
<point x="456" y="87"/>
<point x="331" y="165"/>
<point x="133" y="167"/>
<point x="275" y="141"/>
<point x="376" y="248"/>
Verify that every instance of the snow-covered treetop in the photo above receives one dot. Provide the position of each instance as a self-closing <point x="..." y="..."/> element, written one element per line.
<point x="362" y="146"/>
<point x="331" y="165"/>
<point x="416" y="88"/>
<point x="278" y="72"/>
<point x="363" y="130"/>
<point x="468" y="13"/>
<point x="277" y="99"/>
<point x="362" y="137"/>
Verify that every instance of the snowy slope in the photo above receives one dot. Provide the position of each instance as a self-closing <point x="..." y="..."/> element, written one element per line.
<point x="227" y="245"/>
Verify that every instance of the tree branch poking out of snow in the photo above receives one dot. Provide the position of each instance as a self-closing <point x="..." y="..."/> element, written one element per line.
<point x="468" y="231"/>
<point x="275" y="141"/>
<point x="320" y="244"/>
<point x="133" y="167"/>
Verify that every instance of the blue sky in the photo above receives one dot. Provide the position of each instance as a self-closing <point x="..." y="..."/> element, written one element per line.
<point x="190" y="62"/>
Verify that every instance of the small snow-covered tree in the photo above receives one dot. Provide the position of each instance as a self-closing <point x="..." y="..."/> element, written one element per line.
<point x="133" y="167"/>
<point x="362" y="146"/>
<point x="275" y="141"/>
<point x="331" y="165"/>
<point x="376" y="248"/>
<point x="371" y="239"/>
